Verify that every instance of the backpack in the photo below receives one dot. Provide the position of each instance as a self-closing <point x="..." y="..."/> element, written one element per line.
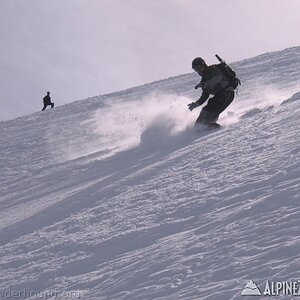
<point x="228" y="72"/>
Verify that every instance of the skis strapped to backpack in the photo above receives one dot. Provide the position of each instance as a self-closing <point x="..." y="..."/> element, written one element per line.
<point x="228" y="72"/>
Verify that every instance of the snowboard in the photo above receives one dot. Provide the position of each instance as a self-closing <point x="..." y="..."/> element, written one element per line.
<point x="202" y="128"/>
<point x="214" y="126"/>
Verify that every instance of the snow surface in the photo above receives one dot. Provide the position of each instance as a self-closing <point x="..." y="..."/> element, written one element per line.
<point x="117" y="196"/>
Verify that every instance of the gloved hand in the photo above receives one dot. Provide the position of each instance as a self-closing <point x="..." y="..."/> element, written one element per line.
<point x="197" y="86"/>
<point x="192" y="106"/>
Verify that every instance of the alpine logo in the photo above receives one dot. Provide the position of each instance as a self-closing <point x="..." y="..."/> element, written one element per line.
<point x="251" y="289"/>
<point x="273" y="288"/>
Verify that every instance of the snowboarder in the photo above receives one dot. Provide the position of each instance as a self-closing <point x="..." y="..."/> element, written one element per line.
<point x="214" y="82"/>
<point x="47" y="101"/>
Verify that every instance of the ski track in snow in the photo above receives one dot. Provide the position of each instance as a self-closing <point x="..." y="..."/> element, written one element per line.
<point x="117" y="197"/>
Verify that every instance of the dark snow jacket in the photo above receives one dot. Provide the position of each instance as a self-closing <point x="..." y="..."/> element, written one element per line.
<point x="213" y="82"/>
<point x="47" y="100"/>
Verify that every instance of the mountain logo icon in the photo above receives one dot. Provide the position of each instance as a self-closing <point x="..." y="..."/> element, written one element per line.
<point x="251" y="289"/>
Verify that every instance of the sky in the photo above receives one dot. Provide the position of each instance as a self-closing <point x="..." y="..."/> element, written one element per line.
<point x="82" y="48"/>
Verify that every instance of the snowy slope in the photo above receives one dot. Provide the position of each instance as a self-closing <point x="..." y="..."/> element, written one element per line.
<point x="117" y="197"/>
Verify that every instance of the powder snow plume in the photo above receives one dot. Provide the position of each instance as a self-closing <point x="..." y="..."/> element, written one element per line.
<point x="121" y="126"/>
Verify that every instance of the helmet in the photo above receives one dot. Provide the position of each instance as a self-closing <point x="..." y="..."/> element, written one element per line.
<point x="198" y="61"/>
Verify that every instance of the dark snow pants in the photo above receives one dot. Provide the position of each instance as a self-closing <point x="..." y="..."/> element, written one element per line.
<point x="46" y="104"/>
<point x="215" y="106"/>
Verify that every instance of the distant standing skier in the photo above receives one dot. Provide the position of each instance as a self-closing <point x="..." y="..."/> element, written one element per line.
<point x="47" y="101"/>
<point x="214" y="82"/>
